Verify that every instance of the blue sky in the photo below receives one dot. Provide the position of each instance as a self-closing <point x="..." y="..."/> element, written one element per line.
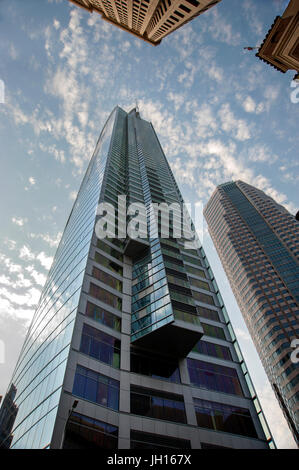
<point x="219" y="112"/>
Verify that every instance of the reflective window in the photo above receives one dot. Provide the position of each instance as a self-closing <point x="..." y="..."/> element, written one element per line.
<point x="212" y="330"/>
<point x="101" y="346"/>
<point x="214" y="377"/>
<point x="207" y="299"/>
<point x="158" y="405"/>
<point x="224" y="418"/>
<point x="103" y="316"/>
<point x="107" y="279"/>
<point x="208" y="313"/>
<point x="154" y="365"/>
<point x="105" y="296"/>
<point x="96" y="387"/>
<point x="83" y="432"/>
<point x="101" y="259"/>
<point x="211" y="349"/>
<point x="110" y="250"/>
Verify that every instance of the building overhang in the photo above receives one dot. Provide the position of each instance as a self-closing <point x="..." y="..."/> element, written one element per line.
<point x="175" y="339"/>
<point x="134" y="247"/>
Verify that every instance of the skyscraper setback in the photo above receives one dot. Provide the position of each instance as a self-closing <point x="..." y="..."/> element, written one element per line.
<point x="258" y="244"/>
<point x="130" y="345"/>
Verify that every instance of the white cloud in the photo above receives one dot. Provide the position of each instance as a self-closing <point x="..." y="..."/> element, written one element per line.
<point x="32" y="180"/>
<point x="56" y="24"/>
<point x="176" y="98"/>
<point x="249" y="105"/>
<point x="73" y="195"/>
<point x="19" y="221"/>
<point x="13" y="52"/>
<point x="26" y="254"/>
<point x="237" y="128"/>
<point x="52" y="241"/>
<point x="271" y="93"/>
<point x="52" y="150"/>
<point x="7" y="309"/>
<point x="242" y="334"/>
<point x="9" y="264"/>
<point x="261" y="153"/>
<point x="275" y="418"/>
<point x="5" y="280"/>
<point x="223" y="31"/>
<point x="39" y="278"/>
<point x="253" y="18"/>
<point x="44" y="260"/>
<point x="30" y="298"/>
<point x="11" y="244"/>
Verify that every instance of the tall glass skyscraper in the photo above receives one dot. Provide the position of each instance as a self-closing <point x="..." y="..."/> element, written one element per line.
<point x="258" y="243"/>
<point x="130" y="345"/>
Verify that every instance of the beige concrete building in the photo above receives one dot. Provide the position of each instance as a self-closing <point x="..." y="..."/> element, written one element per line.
<point x="150" y="20"/>
<point x="280" y="47"/>
<point x="258" y="243"/>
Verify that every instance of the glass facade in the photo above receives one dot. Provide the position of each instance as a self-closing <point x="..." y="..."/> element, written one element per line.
<point x="226" y="418"/>
<point x="214" y="377"/>
<point x="96" y="387"/>
<point x="97" y="344"/>
<point x="257" y="241"/>
<point x="83" y="432"/>
<point x="103" y="316"/>
<point x="158" y="405"/>
<point x="154" y="365"/>
<point x="129" y="328"/>
<point x="40" y="370"/>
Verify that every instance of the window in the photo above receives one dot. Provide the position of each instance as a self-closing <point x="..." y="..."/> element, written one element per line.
<point x="96" y="387"/>
<point x="101" y="346"/>
<point x="190" y="259"/>
<point x="200" y="284"/>
<point x="195" y="271"/>
<point x="224" y="418"/>
<point x="83" y="432"/>
<point x="211" y="349"/>
<point x="108" y="263"/>
<point x="214" y="377"/>
<point x="154" y="366"/>
<point x="108" y="249"/>
<point x="105" y="296"/>
<point x="102" y="316"/>
<point x="144" y="440"/>
<point x="158" y="405"/>
<point x="107" y="279"/>
<point x="207" y="313"/>
<point x="199" y="296"/>
<point x="214" y="331"/>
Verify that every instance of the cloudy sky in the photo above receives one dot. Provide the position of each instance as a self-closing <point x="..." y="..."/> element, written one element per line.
<point x="219" y="112"/>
